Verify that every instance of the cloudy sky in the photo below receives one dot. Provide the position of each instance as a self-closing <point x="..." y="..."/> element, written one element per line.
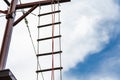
<point x="90" y="42"/>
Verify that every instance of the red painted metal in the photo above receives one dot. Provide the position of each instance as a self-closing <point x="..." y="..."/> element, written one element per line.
<point x="7" y="35"/>
<point x="34" y="5"/>
<point x="10" y="23"/>
<point x="4" y="12"/>
<point x="23" y="16"/>
<point x="41" y="3"/>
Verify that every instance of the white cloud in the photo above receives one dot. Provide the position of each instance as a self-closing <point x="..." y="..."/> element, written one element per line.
<point x="97" y="77"/>
<point x="86" y="35"/>
<point x="81" y="36"/>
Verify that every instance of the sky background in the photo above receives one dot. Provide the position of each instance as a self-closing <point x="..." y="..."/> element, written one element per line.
<point x="90" y="41"/>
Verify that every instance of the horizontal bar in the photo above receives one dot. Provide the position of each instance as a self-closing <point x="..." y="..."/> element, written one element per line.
<point x="41" y="3"/>
<point x="49" y="53"/>
<point x="49" y="24"/>
<point x="4" y="12"/>
<point x="49" y="13"/>
<point x="44" y="70"/>
<point x="49" y="38"/>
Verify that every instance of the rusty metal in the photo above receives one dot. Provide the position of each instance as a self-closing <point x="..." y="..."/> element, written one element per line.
<point x="41" y="3"/>
<point x="4" y="12"/>
<point x="23" y="16"/>
<point x="34" y="5"/>
<point x="7" y="35"/>
<point x="10" y="15"/>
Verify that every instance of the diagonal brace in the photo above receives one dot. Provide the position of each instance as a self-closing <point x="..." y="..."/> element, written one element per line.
<point x="4" y="12"/>
<point x="24" y="15"/>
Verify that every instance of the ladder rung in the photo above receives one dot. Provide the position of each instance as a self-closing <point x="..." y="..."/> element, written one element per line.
<point x="49" y="53"/>
<point x="44" y="70"/>
<point x="49" y="24"/>
<point x="49" y="38"/>
<point x="49" y="13"/>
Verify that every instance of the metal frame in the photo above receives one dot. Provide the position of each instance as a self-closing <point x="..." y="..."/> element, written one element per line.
<point x="7" y="34"/>
<point x="10" y="23"/>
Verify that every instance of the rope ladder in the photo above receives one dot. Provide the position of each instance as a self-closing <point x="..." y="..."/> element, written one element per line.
<point x="49" y="43"/>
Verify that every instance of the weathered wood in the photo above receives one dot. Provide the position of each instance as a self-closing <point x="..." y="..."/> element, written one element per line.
<point x="24" y="15"/>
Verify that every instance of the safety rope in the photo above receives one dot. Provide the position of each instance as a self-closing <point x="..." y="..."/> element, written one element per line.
<point x="59" y="40"/>
<point x="26" y="22"/>
<point x="53" y="28"/>
<point x="53" y="42"/>
<point x="53" y="21"/>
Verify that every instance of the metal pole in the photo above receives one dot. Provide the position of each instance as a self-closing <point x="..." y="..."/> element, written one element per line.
<point x="7" y="34"/>
<point x="10" y="23"/>
<point x="42" y="3"/>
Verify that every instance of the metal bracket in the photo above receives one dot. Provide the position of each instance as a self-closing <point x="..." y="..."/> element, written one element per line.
<point x="10" y="15"/>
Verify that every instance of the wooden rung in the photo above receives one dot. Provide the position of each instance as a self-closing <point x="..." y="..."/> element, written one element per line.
<point x="49" y="13"/>
<point x="49" y="38"/>
<point x="49" y="24"/>
<point x="45" y="70"/>
<point x="49" y="53"/>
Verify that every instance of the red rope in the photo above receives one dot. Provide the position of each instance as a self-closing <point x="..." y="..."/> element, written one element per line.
<point x="53" y="21"/>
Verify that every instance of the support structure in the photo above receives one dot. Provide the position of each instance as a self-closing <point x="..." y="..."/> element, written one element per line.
<point x="10" y="23"/>
<point x="7" y="34"/>
<point x="10" y="16"/>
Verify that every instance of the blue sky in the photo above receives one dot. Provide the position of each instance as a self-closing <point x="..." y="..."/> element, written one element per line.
<point x="90" y="42"/>
<point x="103" y="64"/>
